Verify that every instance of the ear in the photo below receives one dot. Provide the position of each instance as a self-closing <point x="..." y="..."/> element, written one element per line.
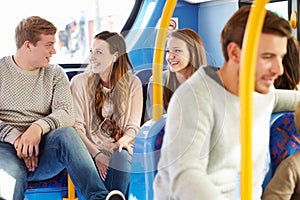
<point x="116" y="56"/>
<point x="27" y="45"/>
<point x="234" y="52"/>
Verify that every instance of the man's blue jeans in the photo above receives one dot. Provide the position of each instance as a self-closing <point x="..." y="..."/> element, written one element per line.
<point x="59" y="149"/>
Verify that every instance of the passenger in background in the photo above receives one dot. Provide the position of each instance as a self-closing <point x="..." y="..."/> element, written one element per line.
<point x="200" y="155"/>
<point x="185" y="53"/>
<point x="108" y="102"/>
<point x="36" y="114"/>
<point x="285" y="183"/>
<point x="288" y="80"/>
<point x="291" y="62"/>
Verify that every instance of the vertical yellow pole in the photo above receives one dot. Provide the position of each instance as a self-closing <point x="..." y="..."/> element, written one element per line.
<point x="246" y="88"/>
<point x="71" y="190"/>
<point x="158" y="58"/>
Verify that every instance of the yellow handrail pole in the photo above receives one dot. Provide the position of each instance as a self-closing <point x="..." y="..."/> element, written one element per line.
<point x="158" y="58"/>
<point x="246" y="88"/>
<point x="71" y="190"/>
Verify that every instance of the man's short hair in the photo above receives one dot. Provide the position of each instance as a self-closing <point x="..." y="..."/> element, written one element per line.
<point x="234" y="29"/>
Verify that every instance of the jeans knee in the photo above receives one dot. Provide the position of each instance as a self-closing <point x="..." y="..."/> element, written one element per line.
<point x="123" y="156"/>
<point x="67" y="131"/>
<point x="11" y="164"/>
<point x="65" y="134"/>
<point x="121" y="160"/>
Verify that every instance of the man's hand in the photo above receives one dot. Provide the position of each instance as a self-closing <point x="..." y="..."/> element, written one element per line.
<point x="27" y="146"/>
<point x="31" y="162"/>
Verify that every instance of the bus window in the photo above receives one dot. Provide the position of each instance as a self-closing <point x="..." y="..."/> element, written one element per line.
<point x="280" y="7"/>
<point x="77" y="22"/>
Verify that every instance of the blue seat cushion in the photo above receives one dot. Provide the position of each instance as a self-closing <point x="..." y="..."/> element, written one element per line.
<point x="284" y="139"/>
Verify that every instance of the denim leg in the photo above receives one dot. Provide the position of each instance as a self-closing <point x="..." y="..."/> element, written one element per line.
<point x="118" y="175"/>
<point x="15" y="167"/>
<point x="63" y="148"/>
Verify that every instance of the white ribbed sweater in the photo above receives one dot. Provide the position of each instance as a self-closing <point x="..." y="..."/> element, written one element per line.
<point x="200" y="156"/>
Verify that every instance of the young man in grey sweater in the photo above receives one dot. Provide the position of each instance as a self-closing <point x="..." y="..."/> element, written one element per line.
<point x="201" y="152"/>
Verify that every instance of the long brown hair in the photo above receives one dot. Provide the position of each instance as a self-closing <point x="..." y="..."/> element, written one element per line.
<point x="118" y="78"/>
<point x="197" y="58"/>
<point x="291" y="64"/>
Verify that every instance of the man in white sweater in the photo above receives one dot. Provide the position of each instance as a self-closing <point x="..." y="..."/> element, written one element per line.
<point x="200" y="156"/>
<point x="36" y="115"/>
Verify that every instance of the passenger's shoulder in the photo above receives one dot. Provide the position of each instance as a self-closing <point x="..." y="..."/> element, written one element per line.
<point x="55" y="67"/>
<point x="134" y="78"/>
<point x="53" y="70"/>
<point x="80" y="78"/>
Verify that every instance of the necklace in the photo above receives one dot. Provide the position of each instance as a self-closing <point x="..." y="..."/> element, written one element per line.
<point x="108" y="106"/>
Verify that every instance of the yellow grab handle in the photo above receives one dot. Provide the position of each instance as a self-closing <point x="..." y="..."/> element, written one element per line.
<point x="293" y="19"/>
<point x="158" y="58"/>
<point x="246" y="88"/>
<point x="71" y="190"/>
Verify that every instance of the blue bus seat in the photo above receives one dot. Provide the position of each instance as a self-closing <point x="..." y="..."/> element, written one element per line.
<point x="284" y="140"/>
<point x="73" y="72"/>
<point x="54" y="188"/>
<point x="144" y="75"/>
<point x="146" y="154"/>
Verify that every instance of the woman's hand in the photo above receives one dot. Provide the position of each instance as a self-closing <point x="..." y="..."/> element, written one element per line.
<point x="126" y="143"/>
<point x="102" y="162"/>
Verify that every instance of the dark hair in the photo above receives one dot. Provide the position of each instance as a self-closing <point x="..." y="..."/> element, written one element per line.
<point x="234" y="29"/>
<point x="31" y="29"/>
<point x="291" y="64"/>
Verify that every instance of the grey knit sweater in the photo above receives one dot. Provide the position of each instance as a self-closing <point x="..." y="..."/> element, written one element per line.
<point x="41" y="96"/>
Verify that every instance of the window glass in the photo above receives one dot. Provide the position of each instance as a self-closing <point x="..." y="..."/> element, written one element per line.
<point x="280" y="8"/>
<point x="77" y="22"/>
<point x="148" y="13"/>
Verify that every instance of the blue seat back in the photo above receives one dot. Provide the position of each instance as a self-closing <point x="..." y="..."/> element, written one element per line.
<point x="73" y="72"/>
<point x="146" y="154"/>
<point x="144" y="75"/>
<point x="284" y="141"/>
